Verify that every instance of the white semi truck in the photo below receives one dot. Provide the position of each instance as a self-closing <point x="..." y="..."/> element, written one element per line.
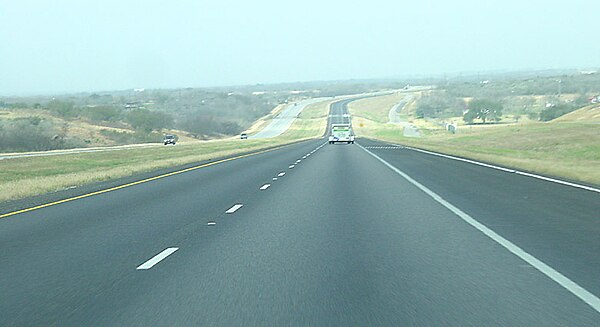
<point x="341" y="133"/>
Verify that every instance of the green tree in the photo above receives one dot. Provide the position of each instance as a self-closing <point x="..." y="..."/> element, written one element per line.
<point x="556" y="111"/>
<point x="470" y="116"/>
<point x="483" y="109"/>
<point x="439" y="104"/>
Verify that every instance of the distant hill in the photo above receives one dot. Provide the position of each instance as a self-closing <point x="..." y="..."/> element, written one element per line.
<point x="585" y="114"/>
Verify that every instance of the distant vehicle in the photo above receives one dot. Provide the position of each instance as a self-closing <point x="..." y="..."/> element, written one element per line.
<point x="170" y="139"/>
<point x="341" y="133"/>
<point x="243" y="136"/>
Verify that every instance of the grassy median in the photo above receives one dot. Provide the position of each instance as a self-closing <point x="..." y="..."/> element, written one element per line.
<point x="376" y="109"/>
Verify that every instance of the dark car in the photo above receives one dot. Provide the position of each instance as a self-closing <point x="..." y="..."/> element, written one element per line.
<point x="170" y="139"/>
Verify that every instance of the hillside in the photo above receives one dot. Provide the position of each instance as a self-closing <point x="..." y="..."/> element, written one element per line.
<point x="43" y="123"/>
<point x="585" y="114"/>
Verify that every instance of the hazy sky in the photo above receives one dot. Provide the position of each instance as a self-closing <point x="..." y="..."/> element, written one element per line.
<point x="64" y="46"/>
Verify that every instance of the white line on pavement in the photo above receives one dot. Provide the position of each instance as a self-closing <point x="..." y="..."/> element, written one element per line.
<point x="462" y="159"/>
<point x="281" y="174"/>
<point x="559" y="278"/>
<point x="157" y="258"/>
<point x="235" y="208"/>
<point x="291" y="166"/>
<point x="558" y="181"/>
<point x="264" y="187"/>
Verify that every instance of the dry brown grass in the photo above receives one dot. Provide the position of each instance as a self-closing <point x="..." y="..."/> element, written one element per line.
<point x="585" y="114"/>
<point x="25" y="177"/>
<point x="29" y="179"/>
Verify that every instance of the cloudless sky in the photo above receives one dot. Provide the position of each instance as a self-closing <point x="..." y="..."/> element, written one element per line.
<point x="78" y="45"/>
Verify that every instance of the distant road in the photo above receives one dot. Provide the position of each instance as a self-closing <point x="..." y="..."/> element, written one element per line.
<point x="409" y="129"/>
<point x="285" y="118"/>
<point x="394" y="114"/>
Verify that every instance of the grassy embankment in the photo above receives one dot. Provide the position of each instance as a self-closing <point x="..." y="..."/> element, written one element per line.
<point x="23" y="177"/>
<point x="375" y="109"/>
<point x="568" y="147"/>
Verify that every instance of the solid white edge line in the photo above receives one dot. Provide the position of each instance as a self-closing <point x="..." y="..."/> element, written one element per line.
<point x="462" y="159"/>
<point x="156" y="259"/>
<point x="554" y="180"/>
<point x="559" y="278"/>
<point x="235" y="208"/>
<point x="558" y="181"/>
<point x="264" y="187"/>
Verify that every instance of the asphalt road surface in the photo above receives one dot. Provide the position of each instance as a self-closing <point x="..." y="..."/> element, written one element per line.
<point x="284" y="120"/>
<point x="343" y="238"/>
<point x="338" y="113"/>
<point x="408" y="129"/>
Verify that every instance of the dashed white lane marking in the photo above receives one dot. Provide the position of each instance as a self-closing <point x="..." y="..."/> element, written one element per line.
<point x="558" y="181"/>
<point x="264" y="187"/>
<point x="384" y="147"/>
<point x="157" y="258"/>
<point x="559" y="278"/>
<point x="304" y="157"/>
<point x="211" y="223"/>
<point x="298" y="161"/>
<point x="274" y="178"/>
<point x="235" y="208"/>
<point x="291" y="166"/>
<point x="281" y="174"/>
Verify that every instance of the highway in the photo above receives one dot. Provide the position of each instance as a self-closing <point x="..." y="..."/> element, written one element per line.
<point x="369" y="234"/>
<point x="284" y="119"/>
